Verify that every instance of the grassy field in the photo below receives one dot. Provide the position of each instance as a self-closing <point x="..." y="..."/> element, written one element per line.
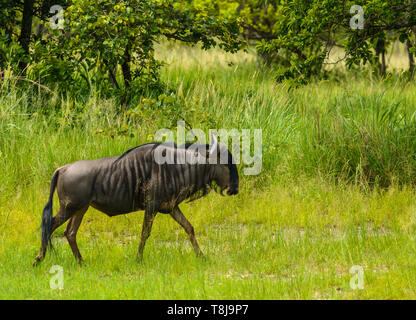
<point x="336" y="191"/>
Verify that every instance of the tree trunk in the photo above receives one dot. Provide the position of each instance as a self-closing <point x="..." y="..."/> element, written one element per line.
<point x="113" y="79"/>
<point x="381" y="54"/>
<point x="265" y="59"/>
<point x="383" y="63"/>
<point x="125" y="67"/>
<point x="26" y="29"/>
<point x="411" y="59"/>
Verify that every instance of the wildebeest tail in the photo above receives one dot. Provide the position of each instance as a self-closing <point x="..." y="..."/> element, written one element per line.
<point x="47" y="214"/>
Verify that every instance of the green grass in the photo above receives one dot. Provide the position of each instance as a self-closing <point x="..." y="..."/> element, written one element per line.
<point x="289" y="241"/>
<point x="335" y="191"/>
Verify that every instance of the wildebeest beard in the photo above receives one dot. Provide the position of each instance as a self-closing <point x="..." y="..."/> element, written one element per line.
<point x="204" y="190"/>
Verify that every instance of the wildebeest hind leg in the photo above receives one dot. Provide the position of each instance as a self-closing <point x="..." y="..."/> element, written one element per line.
<point x="178" y="216"/>
<point x="71" y="232"/>
<point x="61" y="217"/>
<point x="146" y="229"/>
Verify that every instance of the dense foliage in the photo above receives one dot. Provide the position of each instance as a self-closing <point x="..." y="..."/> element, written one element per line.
<point x="300" y="34"/>
<point x="106" y="45"/>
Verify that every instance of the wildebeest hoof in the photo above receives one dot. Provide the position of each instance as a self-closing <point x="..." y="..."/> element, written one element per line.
<point x="36" y="262"/>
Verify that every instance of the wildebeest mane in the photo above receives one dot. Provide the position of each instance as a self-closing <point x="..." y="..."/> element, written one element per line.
<point x="130" y="150"/>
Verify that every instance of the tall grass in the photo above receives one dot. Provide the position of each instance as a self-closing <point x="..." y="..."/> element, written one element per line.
<point x="366" y="139"/>
<point x="362" y="131"/>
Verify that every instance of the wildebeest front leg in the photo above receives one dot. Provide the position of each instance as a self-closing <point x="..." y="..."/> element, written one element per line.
<point x="180" y="218"/>
<point x="146" y="229"/>
<point x="71" y="232"/>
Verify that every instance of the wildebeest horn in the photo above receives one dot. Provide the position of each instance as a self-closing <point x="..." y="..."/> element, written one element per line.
<point x="213" y="148"/>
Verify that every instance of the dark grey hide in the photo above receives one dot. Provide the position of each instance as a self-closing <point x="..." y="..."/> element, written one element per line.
<point x="135" y="181"/>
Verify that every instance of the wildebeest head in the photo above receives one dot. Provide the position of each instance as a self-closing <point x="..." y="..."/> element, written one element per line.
<point x="225" y="174"/>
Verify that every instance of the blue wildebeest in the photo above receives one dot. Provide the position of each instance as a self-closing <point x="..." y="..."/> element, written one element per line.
<point x="136" y="181"/>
